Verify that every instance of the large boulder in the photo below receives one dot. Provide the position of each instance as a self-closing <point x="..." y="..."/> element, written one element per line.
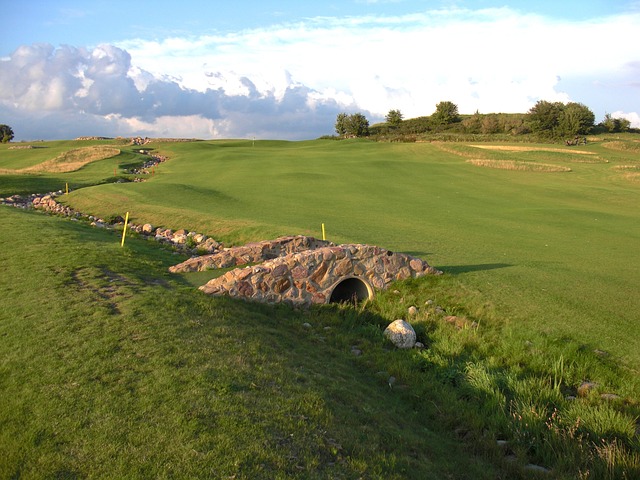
<point x="401" y="334"/>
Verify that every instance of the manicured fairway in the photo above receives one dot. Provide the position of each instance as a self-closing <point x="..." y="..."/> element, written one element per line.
<point x="556" y="252"/>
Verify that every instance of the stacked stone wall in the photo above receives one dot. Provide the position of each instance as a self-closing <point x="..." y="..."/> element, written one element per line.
<point x="309" y="277"/>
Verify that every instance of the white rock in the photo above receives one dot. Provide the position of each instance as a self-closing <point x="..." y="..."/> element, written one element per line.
<point x="401" y="334"/>
<point x="413" y="310"/>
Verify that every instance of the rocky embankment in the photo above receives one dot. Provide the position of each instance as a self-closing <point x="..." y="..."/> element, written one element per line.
<point x="183" y="240"/>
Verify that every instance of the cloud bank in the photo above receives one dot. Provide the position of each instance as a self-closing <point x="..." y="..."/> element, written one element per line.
<point x="289" y="81"/>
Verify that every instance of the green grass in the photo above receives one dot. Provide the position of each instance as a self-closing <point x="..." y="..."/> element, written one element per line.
<point x="554" y="250"/>
<point x="114" y="368"/>
<point x="91" y="174"/>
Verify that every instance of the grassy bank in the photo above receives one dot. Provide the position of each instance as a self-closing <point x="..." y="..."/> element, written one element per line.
<point x="113" y="367"/>
<point x="553" y="249"/>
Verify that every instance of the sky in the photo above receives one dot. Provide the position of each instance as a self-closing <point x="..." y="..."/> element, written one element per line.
<point x="285" y="69"/>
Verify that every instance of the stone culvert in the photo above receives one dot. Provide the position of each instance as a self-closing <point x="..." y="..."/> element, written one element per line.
<point x="320" y="275"/>
<point x="250" y="253"/>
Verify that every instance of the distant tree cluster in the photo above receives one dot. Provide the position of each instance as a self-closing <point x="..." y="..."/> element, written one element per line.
<point x="556" y="119"/>
<point x="552" y="120"/>
<point x="6" y="133"/>
<point x="355" y="125"/>
<point x="615" y="125"/>
<point x="394" y="118"/>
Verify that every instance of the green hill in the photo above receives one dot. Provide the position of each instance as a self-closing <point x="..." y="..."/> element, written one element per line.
<point x="112" y="367"/>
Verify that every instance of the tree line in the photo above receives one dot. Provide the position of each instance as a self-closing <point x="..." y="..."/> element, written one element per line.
<point x="551" y="120"/>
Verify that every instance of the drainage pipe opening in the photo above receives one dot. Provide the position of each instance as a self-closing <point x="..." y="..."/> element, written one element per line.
<point x="351" y="290"/>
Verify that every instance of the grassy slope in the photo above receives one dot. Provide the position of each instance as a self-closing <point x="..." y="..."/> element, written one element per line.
<point x="91" y="174"/>
<point x="109" y="368"/>
<point x="554" y="252"/>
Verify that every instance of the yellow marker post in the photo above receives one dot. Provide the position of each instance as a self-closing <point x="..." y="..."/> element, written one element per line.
<point x="124" y="232"/>
<point x="66" y="189"/>
<point x="323" y="236"/>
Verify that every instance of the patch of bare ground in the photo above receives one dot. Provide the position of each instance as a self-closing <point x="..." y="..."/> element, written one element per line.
<point x="72" y="160"/>
<point x="519" y="166"/>
<point x="525" y="148"/>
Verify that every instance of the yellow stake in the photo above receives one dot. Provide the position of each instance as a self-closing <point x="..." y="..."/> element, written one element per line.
<point x="124" y="232"/>
<point x="66" y="189"/>
<point x="323" y="237"/>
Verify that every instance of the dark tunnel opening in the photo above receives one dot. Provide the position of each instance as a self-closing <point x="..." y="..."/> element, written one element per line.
<point x="350" y="290"/>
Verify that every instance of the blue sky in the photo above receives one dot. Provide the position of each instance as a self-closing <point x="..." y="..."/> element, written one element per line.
<point x="284" y="69"/>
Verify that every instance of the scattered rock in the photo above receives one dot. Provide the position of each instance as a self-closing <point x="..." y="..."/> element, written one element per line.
<point x="401" y="334"/>
<point x="610" y="396"/>
<point x="412" y="311"/>
<point x="585" y="388"/>
<point x="419" y="345"/>
<point x="306" y="325"/>
<point x="536" y="468"/>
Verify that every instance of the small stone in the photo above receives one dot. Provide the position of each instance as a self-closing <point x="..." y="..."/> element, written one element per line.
<point x="391" y="381"/>
<point x="306" y="325"/>
<point x="585" y="388"/>
<point x="419" y="345"/>
<point x="412" y="310"/>
<point x="147" y="229"/>
<point x="356" y="351"/>
<point x="536" y="468"/>
<point x="609" y="396"/>
<point x="429" y="302"/>
<point x="401" y="334"/>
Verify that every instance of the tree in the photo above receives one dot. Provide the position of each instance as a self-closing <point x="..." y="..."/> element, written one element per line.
<point x="394" y="118"/>
<point x="355" y="125"/>
<point x="556" y="119"/>
<point x="615" y="125"/>
<point x="473" y="124"/>
<point x="446" y="113"/>
<point x="575" y="119"/>
<point x="341" y="124"/>
<point x="6" y="133"/>
<point x="544" y="117"/>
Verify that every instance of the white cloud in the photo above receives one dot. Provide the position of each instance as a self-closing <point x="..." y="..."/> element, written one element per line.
<point x="633" y="117"/>
<point x="290" y="80"/>
<point x="491" y="60"/>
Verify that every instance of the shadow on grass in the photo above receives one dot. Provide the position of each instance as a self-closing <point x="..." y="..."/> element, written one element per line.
<point x="458" y="269"/>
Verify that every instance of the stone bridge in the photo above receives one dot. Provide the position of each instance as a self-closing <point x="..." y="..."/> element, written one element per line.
<point x="303" y="271"/>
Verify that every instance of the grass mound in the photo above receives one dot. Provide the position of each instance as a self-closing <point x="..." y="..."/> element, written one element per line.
<point x="519" y="166"/>
<point x="526" y="148"/>
<point x="73" y="160"/>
